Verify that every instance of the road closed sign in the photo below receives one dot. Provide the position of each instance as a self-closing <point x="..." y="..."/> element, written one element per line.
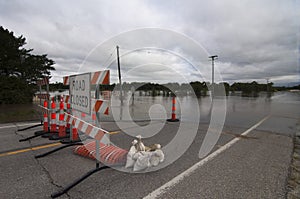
<point x="80" y="92"/>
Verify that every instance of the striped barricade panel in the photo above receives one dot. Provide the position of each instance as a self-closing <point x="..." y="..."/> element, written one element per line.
<point x="66" y="102"/>
<point x="43" y="96"/>
<point x="100" y="106"/>
<point x="109" y="154"/>
<point x="85" y="127"/>
<point x="66" y="80"/>
<point x="99" y="77"/>
<point x="43" y="81"/>
<point x="67" y="98"/>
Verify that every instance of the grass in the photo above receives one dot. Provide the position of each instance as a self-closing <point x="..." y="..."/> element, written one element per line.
<point x="19" y="112"/>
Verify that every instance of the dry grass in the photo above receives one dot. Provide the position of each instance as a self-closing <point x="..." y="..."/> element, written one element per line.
<point x="19" y="112"/>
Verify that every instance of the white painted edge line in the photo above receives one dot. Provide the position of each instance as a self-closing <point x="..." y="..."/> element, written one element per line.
<point x="159" y="191"/>
<point x="19" y="125"/>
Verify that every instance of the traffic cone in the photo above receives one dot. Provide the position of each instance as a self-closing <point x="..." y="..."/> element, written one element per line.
<point x="74" y="136"/>
<point x="61" y="128"/>
<point x="53" y="117"/>
<point x="173" y="118"/>
<point x="53" y="129"/>
<point x="46" y="125"/>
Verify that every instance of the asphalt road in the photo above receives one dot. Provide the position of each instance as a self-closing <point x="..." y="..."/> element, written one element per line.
<point x="255" y="166"/>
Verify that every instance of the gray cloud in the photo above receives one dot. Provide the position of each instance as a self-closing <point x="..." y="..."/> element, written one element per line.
<point x="254" y="39"/>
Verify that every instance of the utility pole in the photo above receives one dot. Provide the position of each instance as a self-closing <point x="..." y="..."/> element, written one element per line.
<point x="267" y="85"/>
<point x="213" y="57"/>
<point x="120" y="80"/>
<point x="268" y="89"/>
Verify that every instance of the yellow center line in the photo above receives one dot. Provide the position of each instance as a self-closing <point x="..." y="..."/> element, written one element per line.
<point x="114" y="132"/>
<point x="40" y="147"/>
<point x="29" y="149"/>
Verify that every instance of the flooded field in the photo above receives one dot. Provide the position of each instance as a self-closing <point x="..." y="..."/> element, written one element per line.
<point x="158" y="108"/>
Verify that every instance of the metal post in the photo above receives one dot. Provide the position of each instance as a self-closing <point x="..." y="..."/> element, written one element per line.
<point x="132" y="94"/>
<point x="40" y="88"/>
<point x="120" y="79"/>
<point x="48" y="94"/>
<point x="267" y="86"/>
<point x="212" y="75"/>
<point x="97" y="96"/>
<point x="268" y="89"/>
<point x="97" y="153"/>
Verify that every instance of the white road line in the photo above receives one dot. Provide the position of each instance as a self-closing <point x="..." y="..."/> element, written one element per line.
<point x="19" y="125"/>
<point x="159" y="191"/>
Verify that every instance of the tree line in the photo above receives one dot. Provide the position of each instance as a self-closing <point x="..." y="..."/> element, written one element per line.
<point x="199" y="88"/>
<point x="19" y="69"/>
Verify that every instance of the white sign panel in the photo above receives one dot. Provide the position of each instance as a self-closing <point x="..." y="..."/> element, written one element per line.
<point x="80" y="92"/>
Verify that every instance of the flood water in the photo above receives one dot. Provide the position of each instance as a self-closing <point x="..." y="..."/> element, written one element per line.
<point x="146" y="107"/>
<point x="238" y="109"/>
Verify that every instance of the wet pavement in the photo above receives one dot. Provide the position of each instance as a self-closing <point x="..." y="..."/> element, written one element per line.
<point x="256" y="166"/>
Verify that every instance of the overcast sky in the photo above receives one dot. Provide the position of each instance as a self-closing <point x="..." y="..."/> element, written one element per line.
<point x="254" y="39"/>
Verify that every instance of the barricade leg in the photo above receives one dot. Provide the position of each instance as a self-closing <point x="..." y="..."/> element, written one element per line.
<point x="85" y="176"/>
<point x="34" y="136"/>
<point x="31" y="127"/>
<point x="79" y="180"/>
<point x="57" y="149"/>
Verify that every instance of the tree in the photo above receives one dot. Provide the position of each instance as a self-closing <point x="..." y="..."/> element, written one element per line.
<point x="199" y="88"/>
<point x="19" y="69"/>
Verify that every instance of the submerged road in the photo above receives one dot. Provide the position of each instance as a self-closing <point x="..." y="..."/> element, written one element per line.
<point x="250" y="160"/>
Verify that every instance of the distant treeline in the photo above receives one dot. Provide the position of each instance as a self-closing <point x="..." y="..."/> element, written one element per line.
<point x="199" y="88"/>
<point x="284" y="88"/>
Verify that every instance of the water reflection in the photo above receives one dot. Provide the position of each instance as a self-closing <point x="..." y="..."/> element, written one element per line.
<point x="139" y="110"/>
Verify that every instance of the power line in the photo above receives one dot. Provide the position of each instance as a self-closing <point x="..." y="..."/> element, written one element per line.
<point x="110" y="56"/>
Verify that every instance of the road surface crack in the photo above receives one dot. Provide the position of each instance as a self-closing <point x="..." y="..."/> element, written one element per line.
<point x="51" y="180"/>
<point x="44" y="169"/>
<point x="18" y="134"/>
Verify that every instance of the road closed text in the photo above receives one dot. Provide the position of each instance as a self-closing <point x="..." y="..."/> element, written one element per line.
<point x="82" y="101"/>
<point x="80" y="92"/>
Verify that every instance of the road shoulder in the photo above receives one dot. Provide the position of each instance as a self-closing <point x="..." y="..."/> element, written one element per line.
<point x="253" y="168"/>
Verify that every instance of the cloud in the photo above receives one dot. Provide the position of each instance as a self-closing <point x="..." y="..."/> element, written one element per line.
<point x="253" y="39"/>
